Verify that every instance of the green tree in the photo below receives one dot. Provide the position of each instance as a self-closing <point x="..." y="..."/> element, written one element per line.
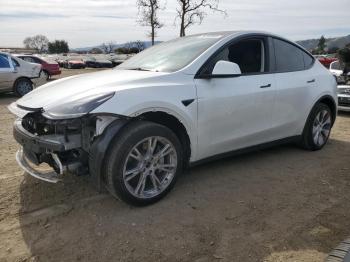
<point x="58" y="47"/>
<point x="344" y="54"/>
<point x="321" y="45"/>
<point x="333" y="50"/>
<point x="344" y="57"/>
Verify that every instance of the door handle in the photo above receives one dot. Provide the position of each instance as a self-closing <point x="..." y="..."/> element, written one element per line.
<point x="311" y="81"/>
<point x="265" y="86"/>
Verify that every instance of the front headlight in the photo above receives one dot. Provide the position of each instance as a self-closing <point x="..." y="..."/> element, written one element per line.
<point x="77" y="106"/>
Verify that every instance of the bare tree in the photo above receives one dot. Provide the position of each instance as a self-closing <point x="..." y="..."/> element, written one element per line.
<point x="128" y="46"/>
<point x="108" y="47"/>
<point x="139" y="45"/>
<point x="193" y="11"/>
<point x="148" y="16"/>
<point x="38" y="42"/>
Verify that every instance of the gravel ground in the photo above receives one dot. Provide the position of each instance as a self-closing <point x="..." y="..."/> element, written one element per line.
<point x="280" y="204"/>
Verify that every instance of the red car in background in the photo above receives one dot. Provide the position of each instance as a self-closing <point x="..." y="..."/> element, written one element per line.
<point x="74" y="63"/>
<point x="325" y="60"/>
<point x="49" y="67"/>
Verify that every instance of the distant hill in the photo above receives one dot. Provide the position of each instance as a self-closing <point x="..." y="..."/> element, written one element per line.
<point x="86" y="49"/>
<point x="339" y="42"/>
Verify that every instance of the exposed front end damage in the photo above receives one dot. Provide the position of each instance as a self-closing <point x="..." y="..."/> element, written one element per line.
<point x="64" y="145"/>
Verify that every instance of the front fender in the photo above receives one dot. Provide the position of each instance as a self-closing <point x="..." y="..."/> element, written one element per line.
<point x="168" y="99"/>
<point x="99" y="150"/>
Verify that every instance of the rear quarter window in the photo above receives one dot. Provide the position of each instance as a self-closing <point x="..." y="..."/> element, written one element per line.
<point x="290" y="58"/>
<point x="308" y="60"/>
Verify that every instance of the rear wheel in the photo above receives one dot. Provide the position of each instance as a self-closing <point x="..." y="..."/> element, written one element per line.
<point x="46" y="75"/>
<point x="318" y="127"/>
<point x="143" y="163"/>
<point x="23" y="86"/>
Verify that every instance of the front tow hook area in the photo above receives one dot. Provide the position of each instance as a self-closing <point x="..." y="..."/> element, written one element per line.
<point x="50" y="176"/>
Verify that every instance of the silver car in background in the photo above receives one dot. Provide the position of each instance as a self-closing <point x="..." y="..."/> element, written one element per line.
<point x="344" y="98"/>
<point x="17" y="75"/>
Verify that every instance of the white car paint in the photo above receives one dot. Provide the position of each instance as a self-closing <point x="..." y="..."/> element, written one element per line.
<point x="228" y="113"/>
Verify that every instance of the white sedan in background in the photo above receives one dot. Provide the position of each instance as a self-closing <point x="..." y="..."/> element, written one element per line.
<point x="135" y="128"/>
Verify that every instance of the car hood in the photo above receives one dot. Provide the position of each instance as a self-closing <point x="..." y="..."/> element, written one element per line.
<point x="60" y="91"/>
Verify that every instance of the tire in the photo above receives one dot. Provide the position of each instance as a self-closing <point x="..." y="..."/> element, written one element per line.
<point x="23" y="86"/>
<point x="340" y="253"/>
<point x="318" y="128"/>
<point x="148" y="184"/>
<point x="46" y="74"/>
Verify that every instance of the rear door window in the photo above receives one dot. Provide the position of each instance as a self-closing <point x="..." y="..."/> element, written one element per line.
<point x="308" y="60"/>
<point x="36" y="60"/>
<point x="289" y="58"/>
<point x="28" y="59"/>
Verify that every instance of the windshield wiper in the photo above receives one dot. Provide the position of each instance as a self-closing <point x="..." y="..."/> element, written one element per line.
<point x="138" y="69"/>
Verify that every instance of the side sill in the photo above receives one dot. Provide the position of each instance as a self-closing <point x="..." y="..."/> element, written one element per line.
<point x="246" y="150"/>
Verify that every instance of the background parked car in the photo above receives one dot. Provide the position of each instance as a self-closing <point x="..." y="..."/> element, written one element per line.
<point x="97" y="62"/>
<point x="74" y="63"/>
<point x="104" y="63"/>
<point x="116" y="61"/>
<point x="337" y="71"/>
<point x="17" y="75"/>
<point x="325" y="60"/>
<point x="90" y="62"/>
<point x="49" y="67"/>
<point x="344" y="98"/>
<point x="60" y="61"/>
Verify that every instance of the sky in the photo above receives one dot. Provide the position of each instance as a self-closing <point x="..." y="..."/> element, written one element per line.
<point x="85" y="23"/>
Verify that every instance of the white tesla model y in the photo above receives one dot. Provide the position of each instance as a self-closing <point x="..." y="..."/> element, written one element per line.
<point x="134" y="128"/>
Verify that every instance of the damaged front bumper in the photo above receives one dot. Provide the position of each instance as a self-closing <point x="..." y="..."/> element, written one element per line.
<point x="68" y="145"/>
<point x="49" y="176"/>
<point x="62" y="152"/>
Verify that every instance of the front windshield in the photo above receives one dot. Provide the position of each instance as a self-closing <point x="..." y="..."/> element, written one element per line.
<point x="171" y="56"/>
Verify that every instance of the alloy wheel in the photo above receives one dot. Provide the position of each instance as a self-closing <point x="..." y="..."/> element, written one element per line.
<point x="150" y="167"/>
<point x="321" y="127"/>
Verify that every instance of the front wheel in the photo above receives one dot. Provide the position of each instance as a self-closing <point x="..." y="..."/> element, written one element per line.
<point x="317" y="128"/>
<point x="143" y="163"/>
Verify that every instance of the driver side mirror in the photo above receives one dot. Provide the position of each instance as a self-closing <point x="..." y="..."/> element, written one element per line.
<point x="224" y="69"/>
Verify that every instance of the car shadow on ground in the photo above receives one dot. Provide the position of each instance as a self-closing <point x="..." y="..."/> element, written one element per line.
<point x="7" y="98"/>
<point x="242" y="208"/>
